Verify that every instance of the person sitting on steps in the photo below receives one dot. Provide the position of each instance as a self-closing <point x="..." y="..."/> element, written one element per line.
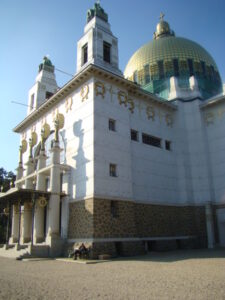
<point x="80" y="251"/>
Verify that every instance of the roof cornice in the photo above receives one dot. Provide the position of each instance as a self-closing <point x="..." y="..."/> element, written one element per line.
<point x="213" y="101"/>
<point x="80" y="78"/>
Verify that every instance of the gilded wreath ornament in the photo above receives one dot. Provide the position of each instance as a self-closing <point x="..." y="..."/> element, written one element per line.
<point x="150" y="111"/>
<point x="100" y="89"/>
<point x="84" y="92"/>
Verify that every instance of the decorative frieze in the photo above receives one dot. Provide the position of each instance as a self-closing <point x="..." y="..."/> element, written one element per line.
<point x="151" y="111"/>
<point x="211" y="116"/>
<point x="84" y="92"/>
<point x="100" y="89"/>
<point x="68" y="104"/>
<point x="124" y="99"/>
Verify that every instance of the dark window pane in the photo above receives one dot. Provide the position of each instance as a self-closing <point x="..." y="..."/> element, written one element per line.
<point x="161" y="69"/>
<point x="112" y="170"/>
<point x="134" y="135"/>
<point x="84" y="54"/>
<point x="48" y="95"/>
<point x="112" y="125"/>
<point x="151" y="140"/>
<point x="176" y="67"/>
<point x="203" y="68"/>
<point x="147" y="74"/>
<point x="168" y="145"/>
<point x="106" y="51"/>
<point x="190" y="67"/>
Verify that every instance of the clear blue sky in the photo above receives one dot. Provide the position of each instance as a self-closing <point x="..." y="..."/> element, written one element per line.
<point x="30" y="29"/>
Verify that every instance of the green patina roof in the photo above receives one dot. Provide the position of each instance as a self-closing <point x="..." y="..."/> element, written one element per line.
<point x="97" y="11"/>
<point x="46" y="65"/>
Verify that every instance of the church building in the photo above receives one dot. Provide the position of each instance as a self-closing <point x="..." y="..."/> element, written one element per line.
<point x="125" y="162"/>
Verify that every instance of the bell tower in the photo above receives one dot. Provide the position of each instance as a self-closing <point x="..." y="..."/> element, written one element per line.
<point x="45" y="85"/>
<point x="98" y="45"/>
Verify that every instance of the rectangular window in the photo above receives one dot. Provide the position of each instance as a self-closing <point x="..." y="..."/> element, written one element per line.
<point x="147" y="74"/>
<point x="161" y="69"/>
<point x="203" y="68"/>
<point x="168" y="145"/>
<point x="106" y="52"/>
<point x="84" y="54"/>
<point x="114" y="209"/>
<point x="190" y="66"/>
<point x="112" y="170"/>
<point x="151" y="140"/>
<point x="112" y="125"/>
<point x="134" y="135"/>
<point x="176" y="67"/>
<point x="47" y="184"/>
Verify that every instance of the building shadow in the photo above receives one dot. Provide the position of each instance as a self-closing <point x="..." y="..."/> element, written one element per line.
<point x="79" y="173"/>
<point x="63" y="142"/>
<point x="176" y="255"/>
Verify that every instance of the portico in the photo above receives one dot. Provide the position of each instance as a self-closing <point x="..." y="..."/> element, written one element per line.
<point x="34" y="212"/>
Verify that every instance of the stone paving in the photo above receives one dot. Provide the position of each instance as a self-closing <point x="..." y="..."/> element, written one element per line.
<point x="195" y="274"/>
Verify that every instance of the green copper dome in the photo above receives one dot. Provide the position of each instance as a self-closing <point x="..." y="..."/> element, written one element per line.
<point x="46" y="65"/>
<point x="154" y="63"/>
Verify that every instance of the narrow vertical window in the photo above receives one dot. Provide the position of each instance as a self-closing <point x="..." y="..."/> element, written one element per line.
<point x="47" y="184"/>
<point x="168" y="145"/>
<point x="203" y="68"/>
<point x="176" y="67"/>
<point x="106" y="52"/>
<point x="84" y="54"/>
<point x="147" y="74"/>
<point x="134" y="135"/>
<point x="190" y="67"/>
<point x="112" y="125"/>
<point x="161" y="69"/>
<point x="112" y="170"/>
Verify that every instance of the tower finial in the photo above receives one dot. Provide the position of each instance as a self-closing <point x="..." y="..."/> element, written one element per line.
<point x="162" y="15"/>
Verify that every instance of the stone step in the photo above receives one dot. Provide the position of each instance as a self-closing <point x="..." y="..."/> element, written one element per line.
<point x="26" y="251"/>
<point x="23" y="247"/>
<point x="12" y="253"/>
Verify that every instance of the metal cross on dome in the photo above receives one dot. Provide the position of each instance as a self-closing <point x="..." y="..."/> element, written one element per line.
<point x="162" y="15"/>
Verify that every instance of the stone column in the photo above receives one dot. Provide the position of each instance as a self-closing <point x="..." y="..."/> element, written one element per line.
<point x="15" y="225"/>
<point x="20" y="169"/>
<point x="53" y="239"/>
<point x="39" y="211"/>
<point x="54" y="202"/>
<point x="27" y="222"/>
<point x="209" y="225"/>
<point x="27" y="214"/>
<point x="30" y="168"/>
<point x="15" y="211"/>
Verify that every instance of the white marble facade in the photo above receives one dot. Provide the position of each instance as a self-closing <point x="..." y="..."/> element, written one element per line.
<point x="191" y="172"/>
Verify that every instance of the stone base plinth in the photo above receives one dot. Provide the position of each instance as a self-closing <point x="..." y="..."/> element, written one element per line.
<point x="56" y="245"/>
